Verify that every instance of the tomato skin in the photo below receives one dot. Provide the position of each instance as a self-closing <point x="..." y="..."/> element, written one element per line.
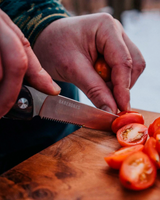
<point x="156" y="132"/>
<point x="137" y="172"/>
<point x="151" y="151"/>
<point x="116" y="158"/>
<point x="103" y="69"/>
<point x="158" y="143"/>
<point x="126" y="119"/>
<point x="154" y="126"/>
<point x="125" y="112"/>
<point x="132" y="134"/>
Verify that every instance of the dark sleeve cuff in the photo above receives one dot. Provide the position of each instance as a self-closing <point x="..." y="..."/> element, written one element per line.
<point x="33" y="16"/>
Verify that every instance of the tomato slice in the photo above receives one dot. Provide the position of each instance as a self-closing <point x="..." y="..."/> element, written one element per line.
<point x="103" y="69"/>
<point x="125" y="119"/>
<point x="124" y="112"/>
<point x="154" y="126"/>
<point x="116" y="158"/>
<point x="151" y="151"/>
<point x="158" y="143"/>
<point x="156" y="132"/>
<point x="132" y="134"/>
<point x="137" y="172"/>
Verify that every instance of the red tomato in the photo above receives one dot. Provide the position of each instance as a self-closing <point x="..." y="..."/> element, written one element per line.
<point x="158" y="143"/>
<point x="154" y="126"/>
<point x="126" y="119"/>
<point x="151" y="151"/>
<point x="137" y="172"/>
<point x="124" y="112"/>
<point x="103" y="69"/>
<point x="116" y="158"/>
<point x="155" y="133"/>
<point x="132" y="134"/>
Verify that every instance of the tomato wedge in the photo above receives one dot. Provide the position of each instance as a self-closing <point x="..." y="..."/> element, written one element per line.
<point x="154" y="126"/>
<point x="132" y="134"/>
<point x="103" y="69"/>
<point x="158" y="143"/>
<point x="151" y="151"/>
<point x="125" y="119"/>
<point x="137" y="172"/>
<point x="116" y="158"/>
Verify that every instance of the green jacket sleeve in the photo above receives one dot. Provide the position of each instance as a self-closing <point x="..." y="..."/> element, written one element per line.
<point x="32" y="16"/>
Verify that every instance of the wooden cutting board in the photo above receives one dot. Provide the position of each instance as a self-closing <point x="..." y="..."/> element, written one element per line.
<point x="73" y="169"/>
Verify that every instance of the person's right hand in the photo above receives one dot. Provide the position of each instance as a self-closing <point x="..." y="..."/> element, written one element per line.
<point x="16" y="61"/>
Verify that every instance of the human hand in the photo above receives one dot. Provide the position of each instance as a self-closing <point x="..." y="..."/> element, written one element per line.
<point x="71" y="47"/>
<point x="16" y="61"/>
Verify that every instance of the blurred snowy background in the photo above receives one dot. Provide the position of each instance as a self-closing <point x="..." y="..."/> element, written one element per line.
<point x="143" y="28"/>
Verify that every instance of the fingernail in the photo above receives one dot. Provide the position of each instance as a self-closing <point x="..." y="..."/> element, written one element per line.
<point x="56" y="87"/>
<point x="106" y="108"/>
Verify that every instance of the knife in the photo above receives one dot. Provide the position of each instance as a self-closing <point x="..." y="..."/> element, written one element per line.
<point x="32" y="102"/>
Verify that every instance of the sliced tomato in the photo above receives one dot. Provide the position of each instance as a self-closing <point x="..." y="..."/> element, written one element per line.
<point x="151" y="151"/>
<point x="116" y="158"/>
<point x="124" y="112"/>
<point x="103" y="69"/>
<point x="125" y="119"/>
<point x="137" y="172"/>
<point x="158" y="143"/>
<point x="132" y="134"/>
<point x="154" y="126"/>
<point x="156" y="132"/>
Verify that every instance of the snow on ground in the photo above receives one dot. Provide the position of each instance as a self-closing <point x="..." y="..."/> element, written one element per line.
<point x="144" y="30"/>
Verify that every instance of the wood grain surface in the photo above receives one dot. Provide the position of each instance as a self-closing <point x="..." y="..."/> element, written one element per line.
<point x="73" y="169"/>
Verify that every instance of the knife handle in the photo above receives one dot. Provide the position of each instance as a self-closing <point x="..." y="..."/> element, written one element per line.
<point x="23" y="108"/>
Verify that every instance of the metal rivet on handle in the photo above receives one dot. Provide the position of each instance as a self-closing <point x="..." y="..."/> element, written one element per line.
<point x="23" y="103"/>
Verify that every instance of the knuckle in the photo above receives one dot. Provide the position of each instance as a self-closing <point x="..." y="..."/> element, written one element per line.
<point x="24" y="40"/>
<point x="106" y="16"/>
<point x="140" y="66"/>
<point x="108" y="21"/>
<point x="21" y="65"/>
<point x="127" y="63"/>
<point x="93" y="92"/>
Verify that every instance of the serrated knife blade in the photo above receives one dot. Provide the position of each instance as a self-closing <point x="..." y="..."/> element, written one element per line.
<point x="61" y="109"/>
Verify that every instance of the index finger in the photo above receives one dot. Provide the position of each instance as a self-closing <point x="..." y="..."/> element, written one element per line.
<point x="118" y="57"/>
<point x="35" y="74"/>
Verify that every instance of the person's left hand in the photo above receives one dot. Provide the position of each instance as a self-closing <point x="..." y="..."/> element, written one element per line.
<point x="69" y="47"/>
